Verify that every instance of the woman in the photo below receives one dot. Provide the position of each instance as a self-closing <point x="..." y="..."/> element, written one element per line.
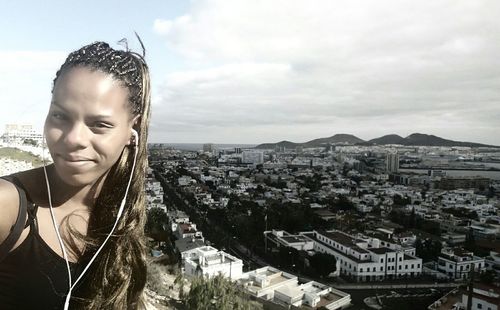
<point x="99" y="98"/>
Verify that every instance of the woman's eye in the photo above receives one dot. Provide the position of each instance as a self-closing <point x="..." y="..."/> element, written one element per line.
<point x="102" y="125"/>
<point x="58" y="116"/>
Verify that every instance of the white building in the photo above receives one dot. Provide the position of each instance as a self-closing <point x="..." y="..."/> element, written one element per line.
<point x="185" y="180"/>
<point x="367" y="259"/>
<point x="283" y="238"/>
<point x="175" y="217"/>
<point x="457" y="263"/>
<point x="483" y="297"/>
<point x="253" y="157"/>
<point x="363" y="258"/>
<point x="208" y="261"/>
<point x="274" y="285"/>
<point x="154" y="194"/>
<point x="188" y="230"/>
<point x="17" y="134"/>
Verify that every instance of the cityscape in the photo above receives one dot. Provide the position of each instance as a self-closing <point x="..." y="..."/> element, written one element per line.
<point x="341" y="223"/>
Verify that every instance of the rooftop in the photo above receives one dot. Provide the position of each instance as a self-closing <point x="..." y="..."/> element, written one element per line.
<point x="381" y="250"/>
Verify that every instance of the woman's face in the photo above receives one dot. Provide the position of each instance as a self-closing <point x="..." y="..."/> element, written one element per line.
<point x="88" y="125"/>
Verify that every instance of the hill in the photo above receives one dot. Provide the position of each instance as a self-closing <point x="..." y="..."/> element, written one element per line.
<point x="415" y="139"/>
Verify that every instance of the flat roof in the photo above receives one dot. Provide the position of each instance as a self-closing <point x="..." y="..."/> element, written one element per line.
<point x="294" y="239"/>
<point x="353" y="258"/>
<point x="382" y="250"/>
<point x="341" y="238"/>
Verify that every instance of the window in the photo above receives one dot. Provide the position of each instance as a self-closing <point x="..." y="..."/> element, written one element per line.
<point x="406" y="266"/>
<point x="360" y="269"/>
<point x="418" y="265"/>
<point x="412" y="266"/>
<point x="400" y="258"/>
<point x="399" y="267"/>
<point x="381" y="268"/>
<point x="479" y="306"/>
<point x="381" y="260"/>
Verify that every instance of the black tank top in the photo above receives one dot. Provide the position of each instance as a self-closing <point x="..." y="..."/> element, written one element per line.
<point x="33" y="276"/>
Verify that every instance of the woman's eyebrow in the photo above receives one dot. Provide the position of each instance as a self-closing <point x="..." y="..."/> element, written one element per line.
<point x="96" y="116"/>
<point x="100" y="116"/>
<point x="55" y="103"/>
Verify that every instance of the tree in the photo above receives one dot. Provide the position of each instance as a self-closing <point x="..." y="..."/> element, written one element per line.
<point x="487" y="277"/>
<point x="217" y="293"/>
<point x="428" y="249"/>
<point x="323" y="264"/>
<point x="156" y="221"/>
<point x="179" y="281"/>
<point x="155" y="279"/>
<point x="30" y="141"/>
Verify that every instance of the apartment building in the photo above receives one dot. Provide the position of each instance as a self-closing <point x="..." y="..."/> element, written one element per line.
<point x="359" y="257"/>
<point x="283" y="288"/>
<point x="367" y="259"/>
<point x="208" y="261"/>
<point x="457" y="263"/>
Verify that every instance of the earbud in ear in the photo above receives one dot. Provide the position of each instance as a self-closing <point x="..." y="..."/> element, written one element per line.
<point x="136" y="137"/>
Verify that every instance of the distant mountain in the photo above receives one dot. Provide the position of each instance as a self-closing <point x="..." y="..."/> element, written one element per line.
<point x="431" y="140"/>
<point x="415" y="139"/>
<point x="338" y="138"/>
<point x="388" y="139"/>
<point x="286" y="144"/>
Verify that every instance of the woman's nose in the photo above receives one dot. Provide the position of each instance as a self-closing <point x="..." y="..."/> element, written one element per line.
<point x="77" y="136"/>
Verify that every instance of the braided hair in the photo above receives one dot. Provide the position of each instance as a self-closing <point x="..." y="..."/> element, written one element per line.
<point x="117" y="278"/>
<point x="123" y="65"/>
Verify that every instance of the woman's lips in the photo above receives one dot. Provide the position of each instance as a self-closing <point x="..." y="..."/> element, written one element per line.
<point x="75" y="162"/>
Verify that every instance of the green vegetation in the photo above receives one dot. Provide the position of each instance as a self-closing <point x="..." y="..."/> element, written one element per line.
<point x="16" y="154"/>
<point x="155" y="281"/>
<point x="217" y="293"/>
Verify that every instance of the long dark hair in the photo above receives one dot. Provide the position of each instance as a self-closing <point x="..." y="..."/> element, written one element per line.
<point x="117" y="277"/>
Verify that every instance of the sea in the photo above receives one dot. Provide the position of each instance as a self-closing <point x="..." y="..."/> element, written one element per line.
<point x="492" y="174"/>
<point x="199" y="146"/>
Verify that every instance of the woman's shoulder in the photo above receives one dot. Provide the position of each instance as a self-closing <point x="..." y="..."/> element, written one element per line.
<point x="9" y="207"/>
<point x="9" y="197"/>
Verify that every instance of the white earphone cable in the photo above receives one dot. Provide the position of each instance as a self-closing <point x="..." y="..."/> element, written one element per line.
<point x="54" y="221"/>
<point x="119" y="214"/>
<point x="120" y="211"/>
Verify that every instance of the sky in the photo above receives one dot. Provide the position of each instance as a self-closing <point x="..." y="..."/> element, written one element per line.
<point x="255" y="71"/>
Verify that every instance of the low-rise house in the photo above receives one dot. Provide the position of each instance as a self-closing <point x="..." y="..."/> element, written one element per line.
<point x="492" y="262"/>
<point x="185" y="180"/>
<point x="283" y="238"/>
<point x="274" y="285"/>
<point x="188" y="230"/>
<point x="453" y="239"/>
<point x="457" y="263"/>
<point x="208" y="261"/>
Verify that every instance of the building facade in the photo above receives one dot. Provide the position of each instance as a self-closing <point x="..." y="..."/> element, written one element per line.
<point x="457" y="263"/>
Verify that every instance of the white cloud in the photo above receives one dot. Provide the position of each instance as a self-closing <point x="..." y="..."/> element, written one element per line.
<point x="318" y="68"/>
<point x="21" y="93"/>
<point x="162" y="27"/>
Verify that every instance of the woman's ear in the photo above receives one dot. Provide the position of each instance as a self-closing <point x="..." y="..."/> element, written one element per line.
<point x="134" y="138"/>
<point x="135" y="120"/>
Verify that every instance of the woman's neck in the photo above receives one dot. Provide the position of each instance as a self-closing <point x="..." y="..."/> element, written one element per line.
<point x="63" y="194"/>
